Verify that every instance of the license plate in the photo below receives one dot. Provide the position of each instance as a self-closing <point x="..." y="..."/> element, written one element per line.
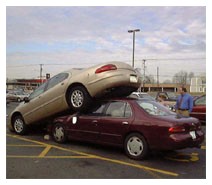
<point x="133" y="79"/>
<point x="193" y="135"/>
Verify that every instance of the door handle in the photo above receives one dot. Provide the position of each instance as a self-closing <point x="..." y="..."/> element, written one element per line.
<point x="125" y="123"/>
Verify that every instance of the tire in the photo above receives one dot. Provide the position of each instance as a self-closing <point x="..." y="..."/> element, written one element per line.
<point x="135" y="146"/>
<point x="59" y="133"/>
<point x="78" y="98"/>
<point x="19" y="125"/>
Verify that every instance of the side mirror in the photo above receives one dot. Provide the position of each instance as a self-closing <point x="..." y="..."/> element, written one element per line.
<point x="26" y="99"/>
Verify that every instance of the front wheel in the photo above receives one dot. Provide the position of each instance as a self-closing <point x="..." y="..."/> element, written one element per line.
<point x="78" y="98"/>
<point x="136" y="146"/>
<point x="19" y="125"/>
<point x="59" y="133"/>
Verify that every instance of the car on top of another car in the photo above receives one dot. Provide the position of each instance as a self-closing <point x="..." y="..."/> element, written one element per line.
<point x="74" y="90"/>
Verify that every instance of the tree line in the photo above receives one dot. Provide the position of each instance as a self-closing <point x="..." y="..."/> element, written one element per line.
<point x="181" y="77"/>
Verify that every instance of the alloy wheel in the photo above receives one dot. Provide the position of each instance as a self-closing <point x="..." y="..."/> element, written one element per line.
<point x="77" y="98"/>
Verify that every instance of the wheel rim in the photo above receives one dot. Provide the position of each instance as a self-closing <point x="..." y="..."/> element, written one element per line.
<point x="18" y="125"/>
<point x="135" y="146"/>
<point x="59" y="133"/>
<point x="77" y="98"/>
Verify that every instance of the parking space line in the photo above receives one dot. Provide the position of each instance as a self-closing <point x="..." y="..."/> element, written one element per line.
<point x="45" y="151"/>
<point x="51" y="157"/>
<point x="24" y="145"/>
<point x="138" y="166"/>
<point x="203" y="147"/>
<point x="86" y="155"/>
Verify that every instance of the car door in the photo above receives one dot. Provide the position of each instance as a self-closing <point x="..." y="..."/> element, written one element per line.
<point x="86" y="126"/>
<point x="113" y="126"/>
<point x="46" y="99"/>
<point x="54" y="94"/>
<point x="33" y="109"/>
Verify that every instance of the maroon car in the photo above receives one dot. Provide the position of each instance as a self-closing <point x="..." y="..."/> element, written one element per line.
<point x="199" y="109"/>
<point x="135" y="124"/>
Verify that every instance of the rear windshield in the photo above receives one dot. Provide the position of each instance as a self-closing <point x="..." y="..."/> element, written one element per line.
<point x="154" y="108"/>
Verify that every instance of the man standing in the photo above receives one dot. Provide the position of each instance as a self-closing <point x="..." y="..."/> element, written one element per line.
<point x="184" y="103"/>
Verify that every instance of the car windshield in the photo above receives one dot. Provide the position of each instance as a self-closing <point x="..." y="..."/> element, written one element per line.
<point x="201" y="100"/>
<point x="37" y="91"/>
<point x="154" y="108"/>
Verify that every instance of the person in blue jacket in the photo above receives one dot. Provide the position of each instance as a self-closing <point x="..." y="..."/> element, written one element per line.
<point x="184" y="103"/>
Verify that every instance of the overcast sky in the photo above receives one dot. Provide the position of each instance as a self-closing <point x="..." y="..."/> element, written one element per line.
<point x="67" y="37"/>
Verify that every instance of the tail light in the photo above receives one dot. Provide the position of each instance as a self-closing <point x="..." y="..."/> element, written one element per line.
<point x="105" y="68"/>
<point x="177" y="129"/>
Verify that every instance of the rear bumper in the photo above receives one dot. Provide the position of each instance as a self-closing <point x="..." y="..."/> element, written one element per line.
<point x="185" y="140"/>
<point x="179" y="141"/>
<point x="102" y="85"/>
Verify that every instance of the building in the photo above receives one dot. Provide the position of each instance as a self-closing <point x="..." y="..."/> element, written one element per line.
<point x="172" y="87"/>
<point x="25" y="84"/>
<point x="197" y="85"/>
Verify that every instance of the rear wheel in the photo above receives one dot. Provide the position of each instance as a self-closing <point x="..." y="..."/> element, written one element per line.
<point x="136" y="146"/>
<point x="78" y="98"/>
<point x="59" y="133"/>
<point x="19" y="125"/>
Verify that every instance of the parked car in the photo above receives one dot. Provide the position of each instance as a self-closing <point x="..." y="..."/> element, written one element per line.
<point x="16" y="96"/>
<point x="74" y="90"/>
<point x="168" y="96"/>
<point x="137" y="125"/>
<point x="199" y="108"/>
<point x="141" y="95"/>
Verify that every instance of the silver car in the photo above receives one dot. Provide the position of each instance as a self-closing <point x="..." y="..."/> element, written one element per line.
<point x="74" y="90"/>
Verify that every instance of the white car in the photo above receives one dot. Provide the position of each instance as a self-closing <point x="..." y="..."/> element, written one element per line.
<point x="141" y="95"/>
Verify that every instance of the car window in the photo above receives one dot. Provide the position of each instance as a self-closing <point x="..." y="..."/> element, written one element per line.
<point x="128" y="111"/>
<point x="96" y="110"/>
<point x="201" y="101"/>
<point x="146" y="96"/>
<point x="172" y="95"/>
<point x="56" y="80"/>
<point x="163" y="94"/>
<point x="37" y="91"/>
<point x="119" y="109"/>
<point x="154" y="108"/>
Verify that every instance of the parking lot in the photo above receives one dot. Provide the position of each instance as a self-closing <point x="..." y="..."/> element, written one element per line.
<point x="32" y="157"/>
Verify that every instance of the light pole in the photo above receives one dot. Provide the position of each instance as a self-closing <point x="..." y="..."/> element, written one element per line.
<point x="133" y="31"/>
<point x="144" y="61"/>
<point x="41" y="69"/>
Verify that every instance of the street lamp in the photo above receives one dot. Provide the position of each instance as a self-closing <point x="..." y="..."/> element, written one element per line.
<point x="133" y="31"/>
